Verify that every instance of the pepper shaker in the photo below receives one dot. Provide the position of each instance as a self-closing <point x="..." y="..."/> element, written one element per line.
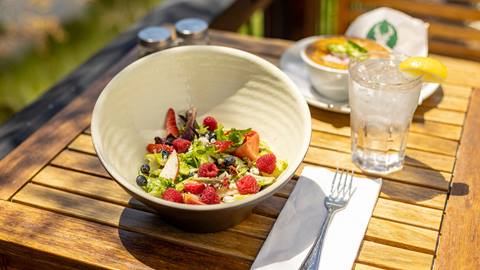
<point x="153" y="39"/>
<point x="192" y="31"/>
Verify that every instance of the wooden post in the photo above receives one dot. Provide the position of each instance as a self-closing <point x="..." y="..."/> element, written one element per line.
<point x="237" y="14"/>
<point x="343" y="17"/>
<point x="292" y="19"/>
<point x="3" y="262"/>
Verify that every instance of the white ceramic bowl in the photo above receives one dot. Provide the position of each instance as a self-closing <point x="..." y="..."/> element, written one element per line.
<point x="330" y="82"/>
<point x="240" y="89"/>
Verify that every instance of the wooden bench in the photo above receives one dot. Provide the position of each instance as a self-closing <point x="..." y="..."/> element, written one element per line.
<point x="449" y="32"/>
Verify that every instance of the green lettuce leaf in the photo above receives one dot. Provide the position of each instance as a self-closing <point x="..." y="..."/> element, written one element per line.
<point x="264" y="149"/>
<point x="237" y="136"/>
<point x="347" y="49"/>
<point x="263" y="180"/>
<point x="220" y="134"/>
<point x="156" y="186"/>
<point x="337" y="49"/>
<point x="183" y="168"/>
<point x="199" y="154"/>
<point x="202" y="130"/>
<point x="280" y="166"/>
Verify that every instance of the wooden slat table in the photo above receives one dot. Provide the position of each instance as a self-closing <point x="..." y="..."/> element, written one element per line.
<point x="59" y="208"/>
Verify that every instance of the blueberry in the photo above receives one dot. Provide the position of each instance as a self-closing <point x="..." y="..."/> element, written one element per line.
<point x="230" y="160"/>
<point x="212" y="135"/>
<point x="169" y="139"/>
<point x="164" y="154"/>
<point x="158" y="140"/>
<point x="145" y="169"/>
<point x="141" y="180"/>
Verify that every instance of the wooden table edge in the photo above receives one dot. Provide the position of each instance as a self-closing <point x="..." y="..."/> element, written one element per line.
<point x="459" y="241"/>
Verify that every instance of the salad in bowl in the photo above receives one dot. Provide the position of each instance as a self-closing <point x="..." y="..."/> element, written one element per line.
<point x="206" y="163"/>
<point x="240" y="91"/>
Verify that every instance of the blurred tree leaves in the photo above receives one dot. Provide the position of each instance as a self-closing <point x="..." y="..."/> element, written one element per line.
<point x="57" y="46"/>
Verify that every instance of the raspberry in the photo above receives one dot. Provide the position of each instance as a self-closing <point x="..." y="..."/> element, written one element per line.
<point x="193" y="187"/>
<point x="210" y="196"/>
<point x="222" y="146"/>
<point x="210" y="122"/>
<point x="172" y="195"/>
<point x="207" y="170"/>
<point x="247" y="185"/>
<point x="181" y="145"/>
<point x="157" y="148"/>
<point x="266" y="163"/>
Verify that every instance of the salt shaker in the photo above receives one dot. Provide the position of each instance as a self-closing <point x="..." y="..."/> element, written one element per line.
<point x="192" y="31"/>
<point x="153" y="39"/>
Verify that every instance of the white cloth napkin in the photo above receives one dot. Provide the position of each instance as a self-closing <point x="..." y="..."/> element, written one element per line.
<point x="299" y="222"/>
<point x="402" y="33"/>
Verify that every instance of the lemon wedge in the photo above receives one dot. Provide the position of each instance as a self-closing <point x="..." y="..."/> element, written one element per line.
<point x="430" y="69"/>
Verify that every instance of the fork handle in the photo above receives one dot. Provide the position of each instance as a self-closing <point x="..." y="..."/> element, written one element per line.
<point x="313" y="258"/>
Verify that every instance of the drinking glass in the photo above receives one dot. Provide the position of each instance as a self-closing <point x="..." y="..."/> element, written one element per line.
<point x="382" y="101"/>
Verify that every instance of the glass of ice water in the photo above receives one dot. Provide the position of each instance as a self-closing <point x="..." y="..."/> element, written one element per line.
<point x="382" y="101"/>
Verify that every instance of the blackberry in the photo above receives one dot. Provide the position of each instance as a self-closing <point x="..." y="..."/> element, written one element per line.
<point x="230" y="160"/>
<point x="169" y="140"/>
<point x="158" y="140"/>
<point x="211" y="135"/>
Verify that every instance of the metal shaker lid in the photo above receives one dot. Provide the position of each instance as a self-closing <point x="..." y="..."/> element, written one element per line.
<point x="154" y="36"/>
<point x="191" y="28"/>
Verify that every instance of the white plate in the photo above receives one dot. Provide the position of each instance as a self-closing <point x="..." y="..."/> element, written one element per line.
<point x="292" y="64"/>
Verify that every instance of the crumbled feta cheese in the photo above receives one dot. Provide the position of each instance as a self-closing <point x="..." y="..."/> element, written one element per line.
<point x="212" y="140"/>
<point x="228" y="199"/>
<point x="203" y="140"/>
<point x="254" y="170"/>
<point x="232" y="192"/>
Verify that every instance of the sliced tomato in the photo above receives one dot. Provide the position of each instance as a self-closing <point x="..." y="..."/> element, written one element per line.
<point x="222" y="146"/>
<point x="171" y="123"/>
<point x="189" y="198"/>
<point x="250" y="146"/>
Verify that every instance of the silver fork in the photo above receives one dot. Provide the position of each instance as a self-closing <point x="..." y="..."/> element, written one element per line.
<point x="340" y="194"/>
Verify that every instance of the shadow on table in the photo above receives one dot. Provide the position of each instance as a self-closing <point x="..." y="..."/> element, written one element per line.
<point x="337" y="120"/>
<point x="159" y="245"/>
<point x="323" y="121"/>
<point x="459" y="189"/>
<point x="416" y="169"/>
<point x="428" y="104"/>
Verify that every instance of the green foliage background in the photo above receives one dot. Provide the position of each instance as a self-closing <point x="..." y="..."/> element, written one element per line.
<point x="23" y="79"/>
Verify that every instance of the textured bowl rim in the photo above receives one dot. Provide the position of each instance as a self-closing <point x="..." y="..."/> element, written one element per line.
<point x="269" y="191"/>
